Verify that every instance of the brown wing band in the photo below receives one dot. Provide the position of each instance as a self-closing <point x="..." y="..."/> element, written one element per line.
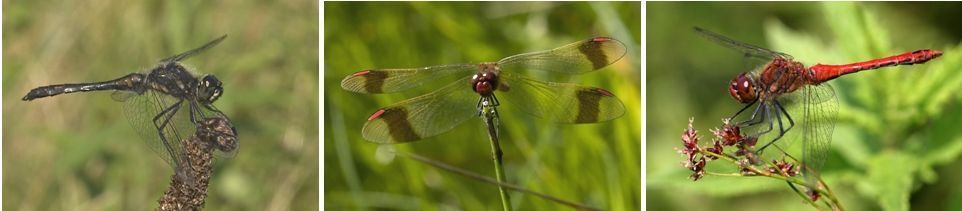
<point x="374" y="81"/>
<point x="588" y="103"/>
<point x="398" y="125"/>
<point x="592" y="50"/>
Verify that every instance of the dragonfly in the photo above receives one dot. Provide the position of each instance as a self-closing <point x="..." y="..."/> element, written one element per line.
<point x="479" y="87"/>
<point x="164" y="105"/>
<point x="781" y="79"/>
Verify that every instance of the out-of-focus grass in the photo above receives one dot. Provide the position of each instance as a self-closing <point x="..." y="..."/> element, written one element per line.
<point x="894" y="146"/>
<point x="596" y="164"/>
<point x="77" y="151"/>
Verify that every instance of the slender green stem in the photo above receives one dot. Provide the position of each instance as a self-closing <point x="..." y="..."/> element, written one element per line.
<point x="490" y="116"/>
<point x="836" y="205"/>
<point x="482" y="178"/>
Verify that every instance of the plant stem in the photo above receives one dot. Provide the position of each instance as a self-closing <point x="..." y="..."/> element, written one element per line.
<point x="836" y="205"/>
<point x="482" y="178"/>
<point x="490" y="120"/>
<point x="190" y="193"/>
<point x="833" y="201"/>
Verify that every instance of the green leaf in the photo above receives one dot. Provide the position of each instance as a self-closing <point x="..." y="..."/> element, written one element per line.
<point x="945" y="138"/>
<point x="890" y="179"/>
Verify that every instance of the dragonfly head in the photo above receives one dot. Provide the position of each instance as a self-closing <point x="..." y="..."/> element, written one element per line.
<point x="742" y="88"/>
<point x="486" y="80"/>
<point x="209" y="89"/>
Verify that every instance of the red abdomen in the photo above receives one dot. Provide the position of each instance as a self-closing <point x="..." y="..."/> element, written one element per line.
<point x="824" y="73"/>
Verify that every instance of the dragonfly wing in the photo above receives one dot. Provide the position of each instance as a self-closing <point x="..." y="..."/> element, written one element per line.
<point x="394" y="80"/>
<point x="423" y="116"/>
<point x="147" y="111"/>
<point x="747" y="49"/>
<point x="818" y="123"/>
<point x="575" y="58"/>
<point x="810" y="94"/>
<point x="560" y="102"/>
<point x="185" y="55"/>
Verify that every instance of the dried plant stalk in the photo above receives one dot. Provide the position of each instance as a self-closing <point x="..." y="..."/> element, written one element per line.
<point x="191" y="194"/>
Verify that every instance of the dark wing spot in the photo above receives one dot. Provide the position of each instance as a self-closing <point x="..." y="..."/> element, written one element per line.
<point x="588" y="103"/>
<point x="374" y="80"/>
<point x="592" y="50"/>
<point x="397" y="123"/>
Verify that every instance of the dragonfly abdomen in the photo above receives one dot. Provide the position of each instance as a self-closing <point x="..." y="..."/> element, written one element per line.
<point x="128" y="82"/>
<point x="822" y="73"/>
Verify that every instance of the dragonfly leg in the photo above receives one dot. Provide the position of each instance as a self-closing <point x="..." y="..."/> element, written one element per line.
<point x="494" y="105"/>
<point x="167" y="114"/>
<point x="767" y="115"/>
<point x="222" y="115"/>
<point x="480" y="109"/>
<point x="778" y="117"/>
<point x="194" y="112"/>
<point x="754" y="119"/>
<point x="771" y="126"/>
<point x="781" y="129"/>
<point x="744" y="108"/>
<point x="791" y="123"/>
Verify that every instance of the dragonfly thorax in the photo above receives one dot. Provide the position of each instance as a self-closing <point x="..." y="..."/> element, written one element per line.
<point x="173" y="79"/>
<point x="486" y="80"/>
<point x="782" y="76"/>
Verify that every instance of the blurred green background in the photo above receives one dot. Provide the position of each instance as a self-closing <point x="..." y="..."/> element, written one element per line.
<point x="896" y="143"/>
<point x="78" y="152"/>
<point x="594" y="164"/>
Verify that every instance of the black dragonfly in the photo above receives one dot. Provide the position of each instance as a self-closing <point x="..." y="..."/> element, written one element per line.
<point x="163" y="105"/>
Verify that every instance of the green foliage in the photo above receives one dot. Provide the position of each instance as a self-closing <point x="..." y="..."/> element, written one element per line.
<point x="595" y="164"/>
<point x="889" y="111"/>
<point x="895" y="126"/>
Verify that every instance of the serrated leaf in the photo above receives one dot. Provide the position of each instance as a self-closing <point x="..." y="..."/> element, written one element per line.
<point x="890" y="176"/>
<point x="945" y="138"/>
<point x="850" y="146"/>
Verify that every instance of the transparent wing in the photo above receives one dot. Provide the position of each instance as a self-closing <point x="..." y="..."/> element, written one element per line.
<point x="559" y="102"/>
<point x="394" y="80"/>
<point x="423" y="116"/>
<point x="144" y="112"/>
<point x="818" y="123"/>
<point x="803" y="97"/>
<point x="188" y="54"/>
<point x="575" y="58"/>
<point x="747" y="49"/>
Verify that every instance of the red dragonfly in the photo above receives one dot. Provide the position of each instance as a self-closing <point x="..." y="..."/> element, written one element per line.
<point x="478" y="84"/>
<point x="784" y="79"/>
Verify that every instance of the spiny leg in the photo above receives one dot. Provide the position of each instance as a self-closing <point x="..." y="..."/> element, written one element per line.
<point x="781" y="129"/>
<point x="168" y="114"/>
<point x="754" y="119"/>
<point x="771" y="126"/>
<point x="192" y="111"/>
<point x="480" y="109"/>
<point x="495" y="103"/>
<point x="766" y="114"/>
<point x="744" y="108"/>
<point x="791" y="123"/>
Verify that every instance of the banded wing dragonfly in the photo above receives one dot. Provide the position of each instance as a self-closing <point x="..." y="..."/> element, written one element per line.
<point x="481" y="86"/>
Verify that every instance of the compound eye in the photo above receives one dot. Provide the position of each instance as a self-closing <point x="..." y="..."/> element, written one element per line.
<point x="211" y="87"/>
<point x="742" y="88"/>
<point x="211" y="81"/>
<point x="215" y="93"/>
